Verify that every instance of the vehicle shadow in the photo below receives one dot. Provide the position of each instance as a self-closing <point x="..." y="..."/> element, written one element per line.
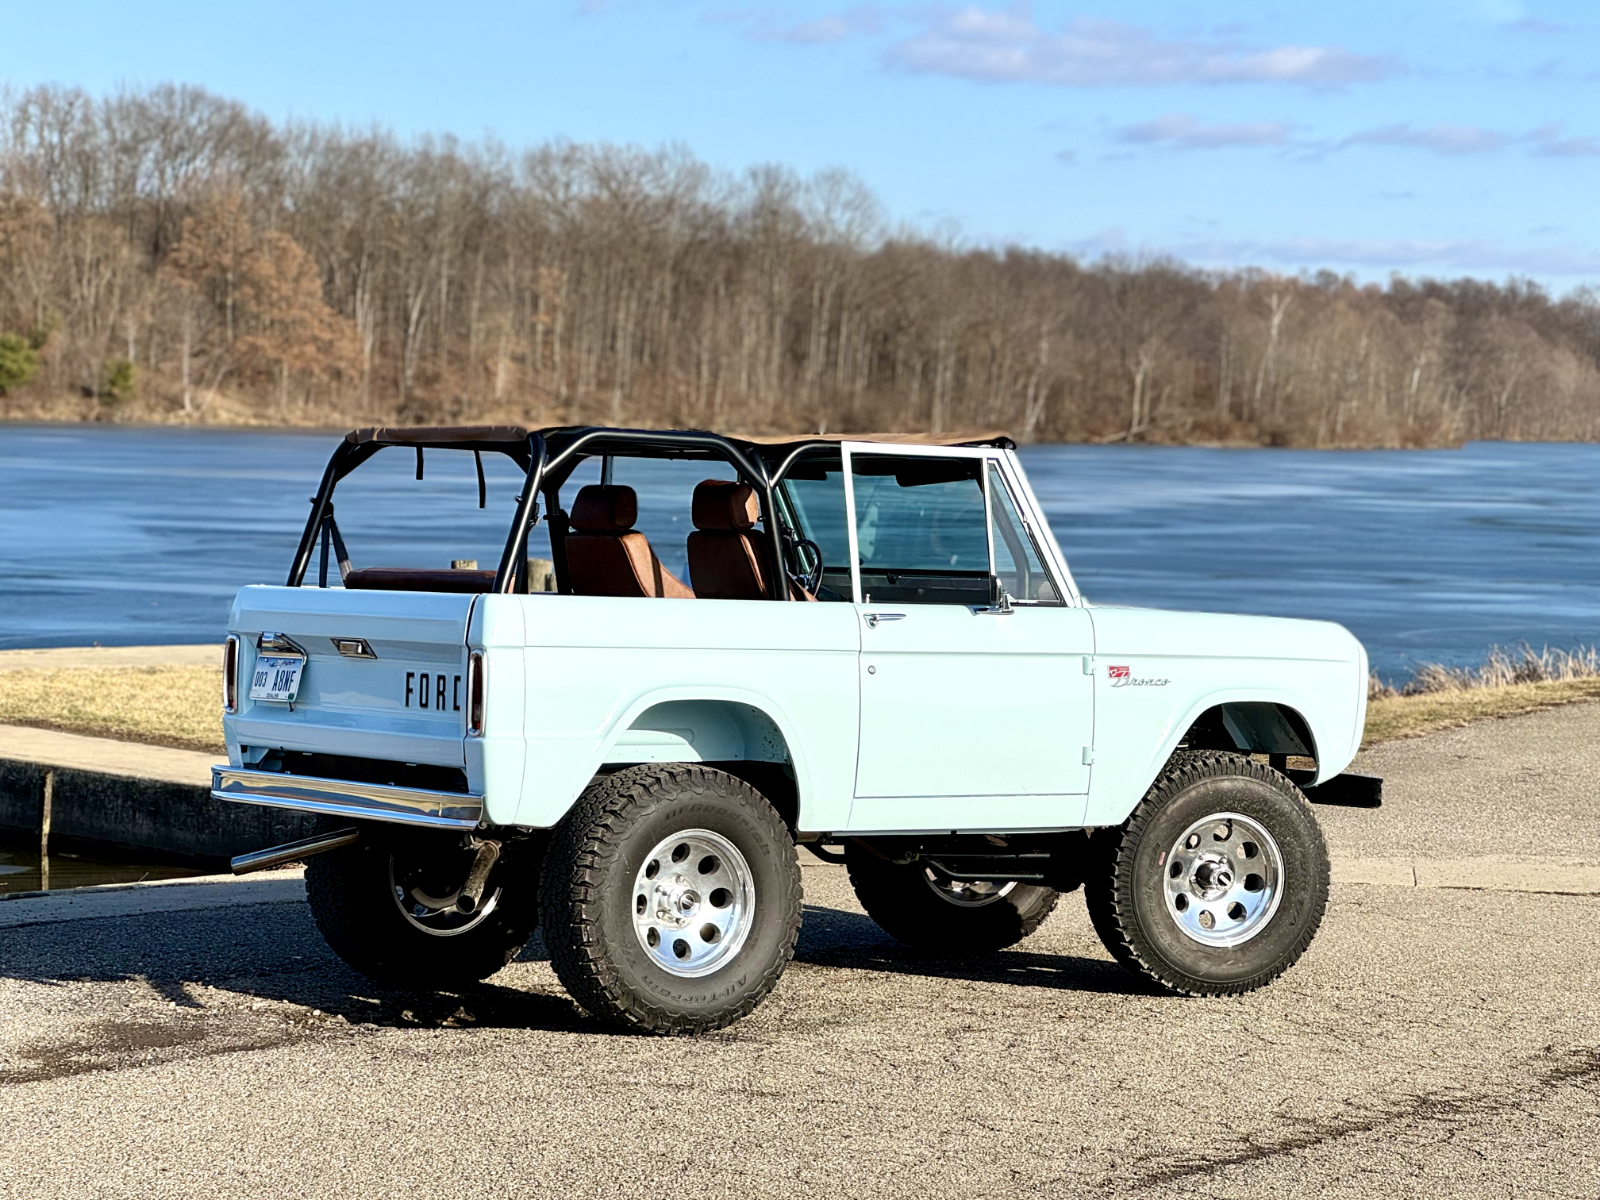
<point x="215" y="960"/>
<point x="206" y="960"/>
<point x="832" y="937"/>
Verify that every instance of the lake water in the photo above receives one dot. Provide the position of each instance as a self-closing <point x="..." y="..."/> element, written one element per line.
<point x="128" y="536"/>
<point x="22" y="870"/>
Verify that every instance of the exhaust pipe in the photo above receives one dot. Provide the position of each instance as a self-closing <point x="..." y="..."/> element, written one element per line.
<point x="260" y="860"/>
<point x="471" y="894"/>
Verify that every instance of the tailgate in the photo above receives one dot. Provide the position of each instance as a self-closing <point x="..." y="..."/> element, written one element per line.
<point x="404" y="702"/>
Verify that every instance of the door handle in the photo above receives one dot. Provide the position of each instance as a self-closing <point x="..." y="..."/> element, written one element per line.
<point x="874" y="617"/>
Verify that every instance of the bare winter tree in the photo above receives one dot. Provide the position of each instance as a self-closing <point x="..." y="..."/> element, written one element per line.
<point x="170" y="254"/>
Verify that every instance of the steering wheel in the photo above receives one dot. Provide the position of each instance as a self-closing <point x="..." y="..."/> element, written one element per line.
<point x="810" y="580"/>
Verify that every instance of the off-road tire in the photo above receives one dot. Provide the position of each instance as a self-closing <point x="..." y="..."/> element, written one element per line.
<point x="354" y="907"/>
<point x="1125" y="893"/>
<point x="900" y="899"/>
<point x="587" y="898"/>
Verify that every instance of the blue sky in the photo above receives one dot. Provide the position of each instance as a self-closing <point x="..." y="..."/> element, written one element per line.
<point x="1427" y="136"/>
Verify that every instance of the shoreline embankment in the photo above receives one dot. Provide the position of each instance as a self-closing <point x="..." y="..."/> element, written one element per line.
<point x="241" y="418"/>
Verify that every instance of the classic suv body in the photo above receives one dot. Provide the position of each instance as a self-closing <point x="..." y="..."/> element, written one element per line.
<point x="1033" y="712"/>
<point x="879" y="654"/>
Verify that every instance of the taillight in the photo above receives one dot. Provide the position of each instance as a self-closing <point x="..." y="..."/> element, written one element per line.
<point x="475" y="670"/>
<point x="230" y="675"/>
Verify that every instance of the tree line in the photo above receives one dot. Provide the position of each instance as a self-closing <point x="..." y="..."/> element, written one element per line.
<point x="166" y="253"/>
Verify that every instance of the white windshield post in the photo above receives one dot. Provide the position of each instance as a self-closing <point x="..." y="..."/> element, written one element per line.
<point x="988" y="517"/>
<point x="850" y="522"/>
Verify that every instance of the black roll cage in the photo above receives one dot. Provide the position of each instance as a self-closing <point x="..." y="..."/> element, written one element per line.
<point x="350" y="454"/>
<point x="548" y="458"/>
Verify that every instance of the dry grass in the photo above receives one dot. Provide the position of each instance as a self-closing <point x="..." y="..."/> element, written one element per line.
<point x="1398" y="716"/>
<point x="1508" y="682"/>
<point x="162" y="706"/>
<point x="181" y="706"/>
<point x="1501" y="668"/>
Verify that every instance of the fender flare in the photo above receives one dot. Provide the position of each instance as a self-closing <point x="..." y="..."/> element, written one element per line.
<point x="1140" y="780"/>
<point x="639" y="705"/>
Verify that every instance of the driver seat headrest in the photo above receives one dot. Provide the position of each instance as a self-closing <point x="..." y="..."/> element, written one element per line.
<point x="724" y="506"/>
<point x="605" y="508"/>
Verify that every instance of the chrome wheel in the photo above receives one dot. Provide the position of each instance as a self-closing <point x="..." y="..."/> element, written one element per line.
<point x="693" y="902"/>
<point x="431" y="907"/>
<point x="1223" y="879"/>
<point x="966" y="893"/>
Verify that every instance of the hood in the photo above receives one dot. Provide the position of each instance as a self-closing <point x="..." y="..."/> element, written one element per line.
<point x="1154" y="631"/>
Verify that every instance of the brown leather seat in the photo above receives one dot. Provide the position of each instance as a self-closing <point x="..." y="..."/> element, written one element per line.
<point x="725" y="556"/>
<point x="606" y="556"/>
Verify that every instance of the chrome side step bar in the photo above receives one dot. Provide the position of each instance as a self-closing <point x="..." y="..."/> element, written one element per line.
<point x="347" y="798"/>
<point x="260" y="860"/>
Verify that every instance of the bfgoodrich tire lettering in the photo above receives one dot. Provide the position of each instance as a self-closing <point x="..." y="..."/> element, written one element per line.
<point x="591" y="892"/>
<point x="1128" y="897"/>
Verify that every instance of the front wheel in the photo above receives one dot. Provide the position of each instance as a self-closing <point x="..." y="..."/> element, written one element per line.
<point x="1218" y="881"/>
<point x="389" y="906"/>
<point x="671" y="899"/>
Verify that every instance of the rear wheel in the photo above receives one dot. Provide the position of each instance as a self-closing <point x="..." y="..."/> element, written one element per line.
<point x="915" y="904"/>
<point x="1218" y="881"/>
<point x="671" y="899"/>
<point x="390" y="906"/>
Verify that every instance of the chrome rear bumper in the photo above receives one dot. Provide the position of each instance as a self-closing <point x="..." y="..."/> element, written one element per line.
<point x="345" y="798"/>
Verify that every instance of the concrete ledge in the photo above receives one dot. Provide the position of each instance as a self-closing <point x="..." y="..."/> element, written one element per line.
<point x="107" y="756"/>
<point x="177" y="821"/>
<point x="142" y="899"/>
<point x="1491" y="873"/>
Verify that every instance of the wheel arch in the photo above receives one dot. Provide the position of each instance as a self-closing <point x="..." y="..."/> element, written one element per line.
<point x="1253" y="727"/>
<point x="734" y="730"/>
<point x="1251" y="722"/>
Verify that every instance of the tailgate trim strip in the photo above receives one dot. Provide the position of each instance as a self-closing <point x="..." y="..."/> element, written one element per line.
<point x="348" y="798"/>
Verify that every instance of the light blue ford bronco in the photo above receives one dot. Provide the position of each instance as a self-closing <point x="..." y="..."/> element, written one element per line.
<point x="868" y="647"/>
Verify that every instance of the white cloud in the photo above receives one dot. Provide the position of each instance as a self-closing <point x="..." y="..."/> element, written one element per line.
<point x="1008" y="45"/>
<point x="1535" y="25"/>
<point x="1446" y="138"/>
<point x="1551" y="143"/>
<point x="769" y="25"/>
<point x="1441" y="138"/>
<point x="1179" y="131"/>
<point x="1380" y="255"/>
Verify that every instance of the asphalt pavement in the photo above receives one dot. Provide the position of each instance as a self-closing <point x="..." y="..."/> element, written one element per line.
<point x="1435" y="1040"/>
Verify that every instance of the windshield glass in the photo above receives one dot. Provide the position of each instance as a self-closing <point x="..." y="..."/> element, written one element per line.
<point x="920" y="514"/>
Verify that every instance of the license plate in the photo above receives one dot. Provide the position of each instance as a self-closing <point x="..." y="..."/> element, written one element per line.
<point x="277" y="677"/>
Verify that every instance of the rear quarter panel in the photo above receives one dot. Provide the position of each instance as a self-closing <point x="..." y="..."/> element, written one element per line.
<point x="591" y="665"/>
